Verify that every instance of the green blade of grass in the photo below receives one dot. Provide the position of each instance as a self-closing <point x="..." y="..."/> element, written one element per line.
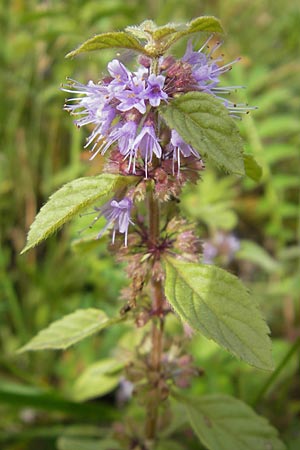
<point x="20" y="395"/>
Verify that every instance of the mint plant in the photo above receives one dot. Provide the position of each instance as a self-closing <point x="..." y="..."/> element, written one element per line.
<point x="154" y="126"/>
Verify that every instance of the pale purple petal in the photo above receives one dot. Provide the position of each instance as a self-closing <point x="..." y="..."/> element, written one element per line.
<point x="154" y="92"/>
<point x="132" y="97"/>
<point x="147" y="143"/>
<point x="117" y="214"/>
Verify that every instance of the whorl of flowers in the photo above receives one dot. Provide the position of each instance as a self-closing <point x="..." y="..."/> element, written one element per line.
<point x="122" y="108"/>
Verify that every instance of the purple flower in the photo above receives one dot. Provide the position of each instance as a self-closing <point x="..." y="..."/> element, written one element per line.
<point x="125" y="136"/>
<point x="154" y="92"/>
<point x="94" y="107"/>
<point x="90" y="105"/>
<point x="193" y="57"/>
<point x="100" y="134"/>
<point x="117" y="214"/>
<point x="133" y="96"/>
<point x="207" y="72"/>
<point x="147" y="143"/>
<point x="142" y="73"/>
<point x="177" y="145"/>
<point x="121" y="76"/>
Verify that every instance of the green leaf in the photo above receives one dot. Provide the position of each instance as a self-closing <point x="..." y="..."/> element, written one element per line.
<point x="97" y="380"/>
<point x="204" y="123"/>
<point x="118" y="39"/>
<point x="167" y="30"/>
<point x="208" y="24"/>
<point x="70" y="329"/>
<point x="222" y="422"/>
<point x="218" y="305"/>
<point x="157" y="37"/>
<point x="69" y="200"/>
<point x="252" y="169"/>
<point x="150" y="32"/>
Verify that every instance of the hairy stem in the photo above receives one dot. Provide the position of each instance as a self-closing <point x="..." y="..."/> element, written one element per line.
<point x="155" y="356"/>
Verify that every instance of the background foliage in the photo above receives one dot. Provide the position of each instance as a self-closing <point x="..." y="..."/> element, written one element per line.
<point x="41" y="150"/>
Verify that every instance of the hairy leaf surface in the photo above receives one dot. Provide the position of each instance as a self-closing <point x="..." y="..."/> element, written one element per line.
<point x="222" y="422"/>
<point x="218" y="305"/>
<point x="69" y="200"/>
<point x="204" y="123"/>
<point x="118" y="39"/>
<point x="72" y="328"/>
<point x="208" y="24"/>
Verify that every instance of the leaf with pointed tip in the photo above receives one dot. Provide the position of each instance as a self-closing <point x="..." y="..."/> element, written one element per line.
<point x="118" y="39"/>
<point x="69" y="200"/>
<point x="252" y="168"/>
<point x="218" y="305"/>
<point x="222" y="422"/>
<point x="204" y="23"/>
<point x="204" y="123"/>
<point x="209" y="24"/>
<point x="72" y="328"/>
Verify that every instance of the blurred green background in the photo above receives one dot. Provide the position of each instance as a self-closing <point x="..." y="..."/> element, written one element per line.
<point x="252" y="229"/>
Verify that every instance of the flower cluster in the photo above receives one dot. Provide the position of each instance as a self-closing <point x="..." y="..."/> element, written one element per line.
<point x="122" y="108"/>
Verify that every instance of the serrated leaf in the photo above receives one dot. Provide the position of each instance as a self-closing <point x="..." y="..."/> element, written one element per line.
<point x="72" y="328"/>
<point x="205" y="23"/>
<point x="68" y="201"/>
<point x="97" y="380"/>
<point x="204" y="123"/>
<point x="222" y="422"/>
<point x="157" y="37"/>
<point x="218" y="305"/>
<point x="118" y="39"/>
<point x="252" y="168"/>
<point x="208" y="24"/>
